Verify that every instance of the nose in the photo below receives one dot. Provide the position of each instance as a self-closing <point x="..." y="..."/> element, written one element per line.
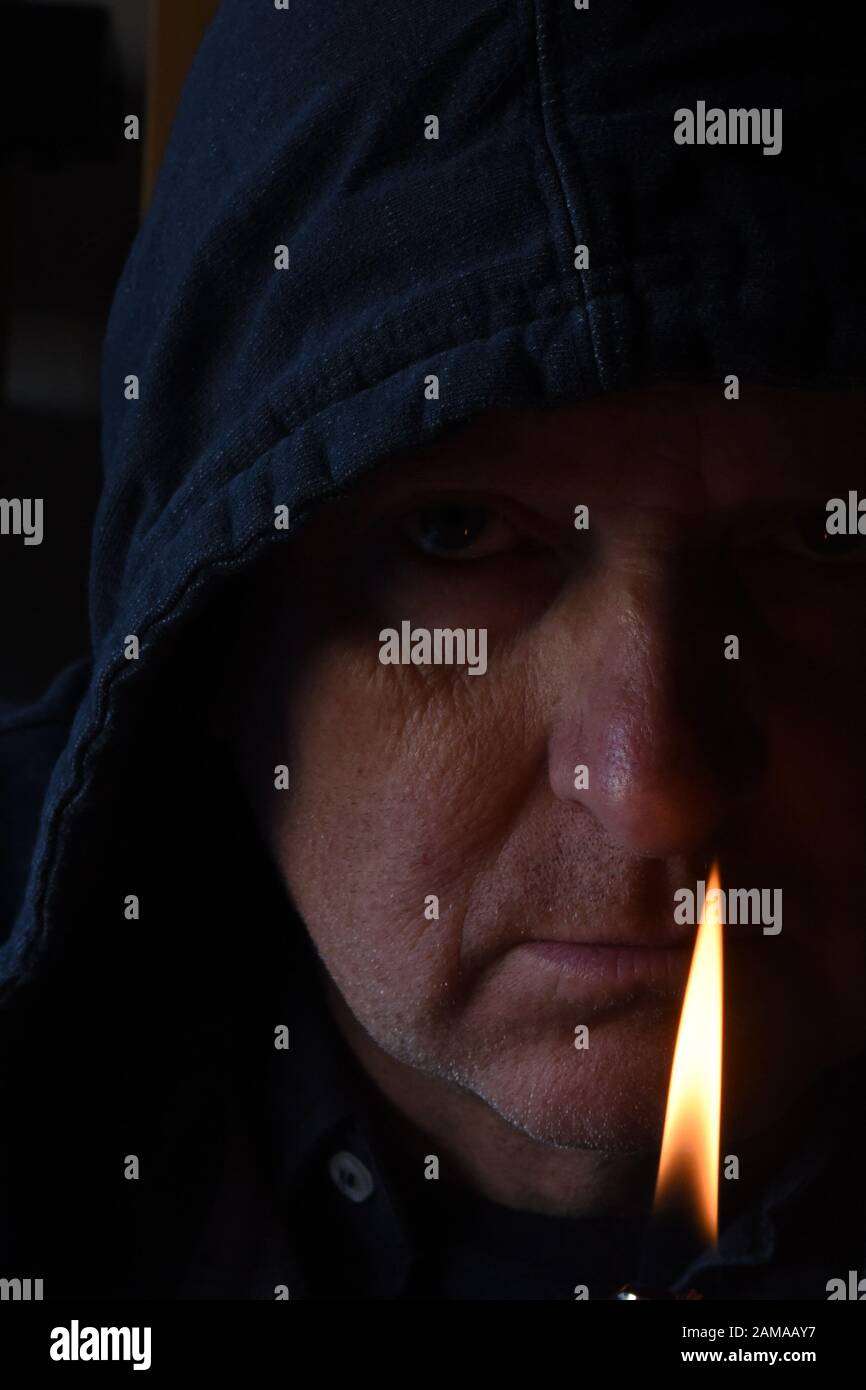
<point x="648" y="704"/>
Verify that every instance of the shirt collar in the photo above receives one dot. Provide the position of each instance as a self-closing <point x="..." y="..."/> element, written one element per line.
<point x="323" y="1108"/>
<point x="323" y="1116"/>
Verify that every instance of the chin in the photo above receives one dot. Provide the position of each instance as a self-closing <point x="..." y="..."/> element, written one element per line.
<point x="610" y="1097"/>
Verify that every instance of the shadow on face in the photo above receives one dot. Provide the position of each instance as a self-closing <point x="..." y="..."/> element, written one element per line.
<point x="487" y="860"/>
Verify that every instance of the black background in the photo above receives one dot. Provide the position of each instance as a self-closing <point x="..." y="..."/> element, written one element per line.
<point x="69" y="209"/>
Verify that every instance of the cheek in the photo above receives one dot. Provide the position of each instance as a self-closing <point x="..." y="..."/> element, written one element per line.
<point x="403" y="784"/>
<point x="819" y="755"/>
<point x="807" y="838"/>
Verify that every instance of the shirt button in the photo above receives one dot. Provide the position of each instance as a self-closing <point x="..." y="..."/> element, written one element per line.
<point x="351" y="1177"/>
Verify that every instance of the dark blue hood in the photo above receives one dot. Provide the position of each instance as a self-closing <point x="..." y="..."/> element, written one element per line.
<point x="408" y="259"/>
<point x="411" y="258"/>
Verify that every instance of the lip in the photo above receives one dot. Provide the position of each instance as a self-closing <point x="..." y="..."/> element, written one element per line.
<point x="616" y="968"/>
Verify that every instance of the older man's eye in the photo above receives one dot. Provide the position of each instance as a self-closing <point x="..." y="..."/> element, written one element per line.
<point x="458" y="532"/>
<point x="808" y="537"/>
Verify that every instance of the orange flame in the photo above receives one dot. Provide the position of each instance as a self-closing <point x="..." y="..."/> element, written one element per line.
<point x="689" y="1163"/>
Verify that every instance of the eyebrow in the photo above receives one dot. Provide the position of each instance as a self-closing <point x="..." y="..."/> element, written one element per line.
<point x="781" y="460"/>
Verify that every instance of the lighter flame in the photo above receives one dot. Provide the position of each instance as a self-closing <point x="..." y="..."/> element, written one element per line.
<point x="690" y="1144"/>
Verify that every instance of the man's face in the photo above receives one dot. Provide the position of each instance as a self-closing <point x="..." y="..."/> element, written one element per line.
<point x="605" y="648"/>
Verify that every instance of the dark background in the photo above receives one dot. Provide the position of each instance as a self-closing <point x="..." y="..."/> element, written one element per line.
<point x="69" y="209"/>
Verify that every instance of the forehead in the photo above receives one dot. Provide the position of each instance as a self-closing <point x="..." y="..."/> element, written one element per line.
<point x="684" y="444"/>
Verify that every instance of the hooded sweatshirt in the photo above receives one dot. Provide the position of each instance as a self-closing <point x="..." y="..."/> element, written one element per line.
<point x="374" y="221"/>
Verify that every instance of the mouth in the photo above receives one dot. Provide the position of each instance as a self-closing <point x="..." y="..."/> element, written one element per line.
<point x="615" y="967"/>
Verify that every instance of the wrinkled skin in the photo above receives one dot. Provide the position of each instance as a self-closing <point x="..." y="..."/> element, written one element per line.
<point x="605" y="648"/>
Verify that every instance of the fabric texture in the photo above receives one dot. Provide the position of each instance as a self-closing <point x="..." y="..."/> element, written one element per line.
<point x="408" y="258"/>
